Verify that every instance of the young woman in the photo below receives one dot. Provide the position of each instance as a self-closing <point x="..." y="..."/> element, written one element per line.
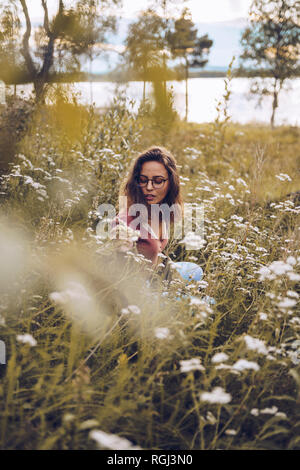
<point x="152" y="190"/>
<point x="152" y="195"/>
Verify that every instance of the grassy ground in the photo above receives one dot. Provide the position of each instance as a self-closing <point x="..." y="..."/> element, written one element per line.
<point x="167" y="372"/>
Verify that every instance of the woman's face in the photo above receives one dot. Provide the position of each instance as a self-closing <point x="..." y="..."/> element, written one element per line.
<point x="153" y="169"/>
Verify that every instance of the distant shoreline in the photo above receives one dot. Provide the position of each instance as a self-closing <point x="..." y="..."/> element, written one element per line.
<point x="115" y="77"/>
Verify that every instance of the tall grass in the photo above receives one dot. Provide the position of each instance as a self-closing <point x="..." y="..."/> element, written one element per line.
<point x="96" y="341"/>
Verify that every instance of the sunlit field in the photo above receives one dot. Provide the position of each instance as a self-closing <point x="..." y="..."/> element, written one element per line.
<point x="100" y="350"/>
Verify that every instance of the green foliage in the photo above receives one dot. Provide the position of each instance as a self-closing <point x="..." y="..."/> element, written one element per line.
<point x="10" y="56"/>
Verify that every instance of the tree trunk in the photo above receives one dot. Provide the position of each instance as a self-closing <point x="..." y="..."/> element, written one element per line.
<point x="144" y="91"/>
<point x="164" y="77"/>
<point x="91" y="81"/>
<point x="274" y="104"/>
<point x="186" y="89"/>
<point x="39" y="89"/>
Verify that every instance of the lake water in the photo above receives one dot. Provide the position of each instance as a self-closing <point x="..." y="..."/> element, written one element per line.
<point x="203" y="96"/>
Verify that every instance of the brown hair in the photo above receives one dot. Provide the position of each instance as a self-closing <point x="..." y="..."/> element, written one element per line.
<point x="132" y="190"/>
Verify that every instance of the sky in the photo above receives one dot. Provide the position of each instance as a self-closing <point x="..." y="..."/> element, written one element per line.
<point x="202" y="10"/>
<point x="213" y="16"/>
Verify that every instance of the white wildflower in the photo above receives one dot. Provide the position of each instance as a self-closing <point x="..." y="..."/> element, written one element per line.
<point x="283" y="177"/>
<point x="255" y="411"/>
<point x="287" y="303"/>
<point x="236" y="217"/>
<point x="189" y="365"/>
<point x="242" y="182"/>
<point x="219" y="357"/>
<point x="243" y="364"/>
<point x="279" y="267"/>
<point x="269" y="411"/>
<point x="88" y="424"/>
<point x="27" y="339"/>
<point x="231" y="432"/>
<point x="223" y="366"/>
<point x="195" y="301"/>
<point x="281" y="414"/>
<point x="218" y="395"/>
<point x="265" y="273"/>
<point x="293" y="276"/>
<point x="294" y="357"/>
<point x="292" y="293"/>
<point x="291" y="260"/>
<point x="68" y="418"/>
<point x="131" y="309"/>
<point x="193" y="241"/>
<point x="111" y="441"/>
<point x="162" y="333"/>
<point x="263" y="316"/>
<point x="202" y="284"/>
<point x="75" y="292"/>
<point x="271" y="295"/>
<point x="210" y="418"/>
<point x="255" y="344"/>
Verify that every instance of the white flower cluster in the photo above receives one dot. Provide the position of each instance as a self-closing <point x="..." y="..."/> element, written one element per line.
<point x="219" y="357"/>
<point x="189" y="365"/>
<point x="162" y="333"/>
<point x="217" y="395"/>
<point x="131" y="309"/>
<point x="280" y="268"/>
<point x="111" y="441"/>
<point x="268" y="411"/>
<point x="283" y="177"/>
<point x="255" y="344"/>
<point x="27" y="339"/>
<point x="192" y="241"/>
<point x="75" y="292"/>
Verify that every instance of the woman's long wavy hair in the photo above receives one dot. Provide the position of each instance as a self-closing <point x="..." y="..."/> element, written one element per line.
<point x="134" y="193"/>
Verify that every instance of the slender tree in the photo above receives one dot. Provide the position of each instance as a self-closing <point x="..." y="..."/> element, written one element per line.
<point x="271" y="47"/>
<point x="144" y="45"/>
<point x="10" y="27"/>
<point x="168" y="9"/>
<point x="185" y="44"/>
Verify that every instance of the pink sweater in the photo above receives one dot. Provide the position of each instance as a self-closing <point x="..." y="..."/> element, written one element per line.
<point x="146" y="245"/>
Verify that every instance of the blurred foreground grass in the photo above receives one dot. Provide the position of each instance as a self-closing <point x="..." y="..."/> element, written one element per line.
<point x="92" y="345"/>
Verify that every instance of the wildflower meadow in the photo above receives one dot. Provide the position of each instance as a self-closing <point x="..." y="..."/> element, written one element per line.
<point x="98" y="350"/>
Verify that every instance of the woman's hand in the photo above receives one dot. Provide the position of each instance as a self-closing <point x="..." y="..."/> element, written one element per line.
<point x="123" y="236"/>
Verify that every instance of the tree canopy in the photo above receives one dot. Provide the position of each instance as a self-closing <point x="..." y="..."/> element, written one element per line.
<point x="271" y="45"/>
